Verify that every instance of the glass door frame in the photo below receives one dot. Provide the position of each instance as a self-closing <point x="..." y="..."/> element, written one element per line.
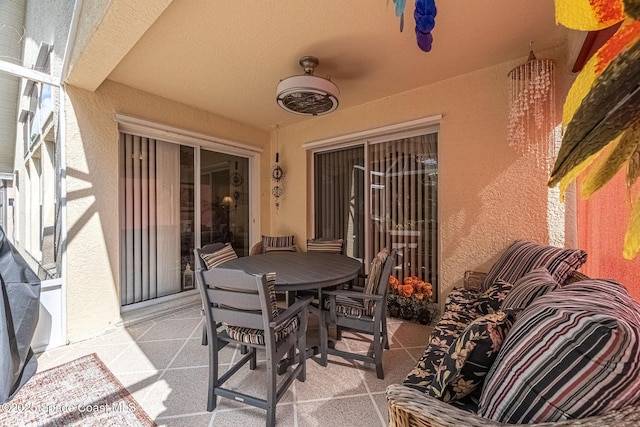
<point x="365" y="138"/>
<point x="196" y="140"/>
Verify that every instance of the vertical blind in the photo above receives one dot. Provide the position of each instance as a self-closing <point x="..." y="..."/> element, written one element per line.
<point x="402" y="207"/>
<point x="403" y="204"/>
<point x="339" y="198"/>
<point x="149" y="219"/>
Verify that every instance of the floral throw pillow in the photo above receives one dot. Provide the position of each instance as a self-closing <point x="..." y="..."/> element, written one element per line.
<point x="469" y="358"/>
<point x="490" y="300"/>
<point x="459" y="299"/>
<point x="454" y="320"/>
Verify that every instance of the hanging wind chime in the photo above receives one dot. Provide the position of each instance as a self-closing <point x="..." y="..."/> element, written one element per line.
<point x="277" y="175"/>
<point x="424" y="15"/>
<point x="236" y="181"/>
<point x="532" y="114"/>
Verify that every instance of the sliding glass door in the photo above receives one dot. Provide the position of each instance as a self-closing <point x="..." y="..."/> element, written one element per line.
<point x="224" y="200"/>
<point x="159" y="223"/>
<point x="393" y="184"/>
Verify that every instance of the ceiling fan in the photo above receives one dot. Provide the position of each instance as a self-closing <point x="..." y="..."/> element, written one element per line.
<point x="307" y="94"/>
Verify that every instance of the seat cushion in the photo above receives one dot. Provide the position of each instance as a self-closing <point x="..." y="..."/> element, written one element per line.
<point x="470" y="357"/>
<point x="573" y="353"/>
<point x="218" y="257"/>
<point x="256" y="336"/>
<point x="348" y="306"/>
<point x="333" y="246"/>
<point x="522" y="257"/>
<point x="526" y="289"/>
<point x="268" y="249"/>
<point x="276" y="242"/>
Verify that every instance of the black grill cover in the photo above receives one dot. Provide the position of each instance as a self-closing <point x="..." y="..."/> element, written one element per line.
<point x="19" y="311"/>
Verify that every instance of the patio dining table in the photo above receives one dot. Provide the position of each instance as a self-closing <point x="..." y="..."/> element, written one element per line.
<point x="299" y="271"/>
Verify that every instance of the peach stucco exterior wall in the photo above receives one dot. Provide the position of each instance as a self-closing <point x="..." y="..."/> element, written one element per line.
<point x="489" y="195"/>
<point x="93" y="302"/>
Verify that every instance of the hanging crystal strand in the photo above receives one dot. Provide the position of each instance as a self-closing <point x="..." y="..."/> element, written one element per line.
<point x="532" y="117"/>
<point x="553" y="135"/>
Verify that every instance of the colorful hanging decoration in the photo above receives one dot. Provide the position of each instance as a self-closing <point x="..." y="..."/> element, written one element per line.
<point x="277" y="175"/>
<point x="602" y="110"/>
<point x="400" y="5"/>
<point x="425" y="17"/>
<point x="532" y="109"/>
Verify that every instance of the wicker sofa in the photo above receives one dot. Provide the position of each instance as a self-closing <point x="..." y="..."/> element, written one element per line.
<point x="415" y="403"/>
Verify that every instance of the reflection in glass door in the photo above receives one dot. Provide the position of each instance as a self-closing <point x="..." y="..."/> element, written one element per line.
<point x="224" y="201"/>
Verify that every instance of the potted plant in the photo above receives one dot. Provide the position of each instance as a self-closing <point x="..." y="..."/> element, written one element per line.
<point x="410" y="299"/>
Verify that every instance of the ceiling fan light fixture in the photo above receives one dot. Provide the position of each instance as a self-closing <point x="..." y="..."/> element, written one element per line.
<point x="307" y="94"/>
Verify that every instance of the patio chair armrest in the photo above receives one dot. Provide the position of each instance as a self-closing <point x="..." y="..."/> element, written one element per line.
<point x="291" y="311"/>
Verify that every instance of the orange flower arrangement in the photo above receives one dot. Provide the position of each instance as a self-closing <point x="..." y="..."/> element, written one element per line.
<point x="412" y="296"/>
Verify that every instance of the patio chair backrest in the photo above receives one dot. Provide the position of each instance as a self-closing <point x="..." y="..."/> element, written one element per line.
<point x="207" y="249"/>
<point x="238" y="298"/>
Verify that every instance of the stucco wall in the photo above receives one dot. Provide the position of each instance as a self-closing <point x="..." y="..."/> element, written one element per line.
<point x="92" y="189"/>
<point x="489" y="195"/>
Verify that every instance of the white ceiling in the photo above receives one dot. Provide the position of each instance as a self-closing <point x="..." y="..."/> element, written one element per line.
<point x="227" y="57"/>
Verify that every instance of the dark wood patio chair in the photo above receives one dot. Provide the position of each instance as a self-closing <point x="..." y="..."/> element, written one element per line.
<point x="200" y="264"/>
<point x="246" y="307"/>
<point x="360" y="309"/>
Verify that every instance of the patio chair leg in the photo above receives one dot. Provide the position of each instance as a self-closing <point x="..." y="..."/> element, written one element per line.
<point x="385" y="334"/>
<point x="252" y="362"/>
<point x="271" y="392"/>
<point x="377" y="353"/>
<point x="204" y="334"/>
<point x="324" y="339"/>
<point x="302" y="357"/>
<point x="213" y="376"/>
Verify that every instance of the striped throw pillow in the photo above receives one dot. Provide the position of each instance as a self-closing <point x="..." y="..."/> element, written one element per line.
<point x="276" y="242"/>
<point x="573" y="353"/>
<point x="373" y="279"/>
<point x="522" y="257"/>
<point x="218" y="257"/>
<point x="333" y="246"/>
<point x="526" y="289"/>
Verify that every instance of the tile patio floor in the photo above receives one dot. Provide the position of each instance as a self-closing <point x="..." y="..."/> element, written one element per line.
<point x="164" y="366"/>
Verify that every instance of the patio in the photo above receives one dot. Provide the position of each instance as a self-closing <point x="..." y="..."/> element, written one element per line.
<point x="164" y="366"/>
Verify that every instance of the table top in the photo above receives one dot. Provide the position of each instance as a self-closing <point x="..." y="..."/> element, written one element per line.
<point x="297" y="271"/>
